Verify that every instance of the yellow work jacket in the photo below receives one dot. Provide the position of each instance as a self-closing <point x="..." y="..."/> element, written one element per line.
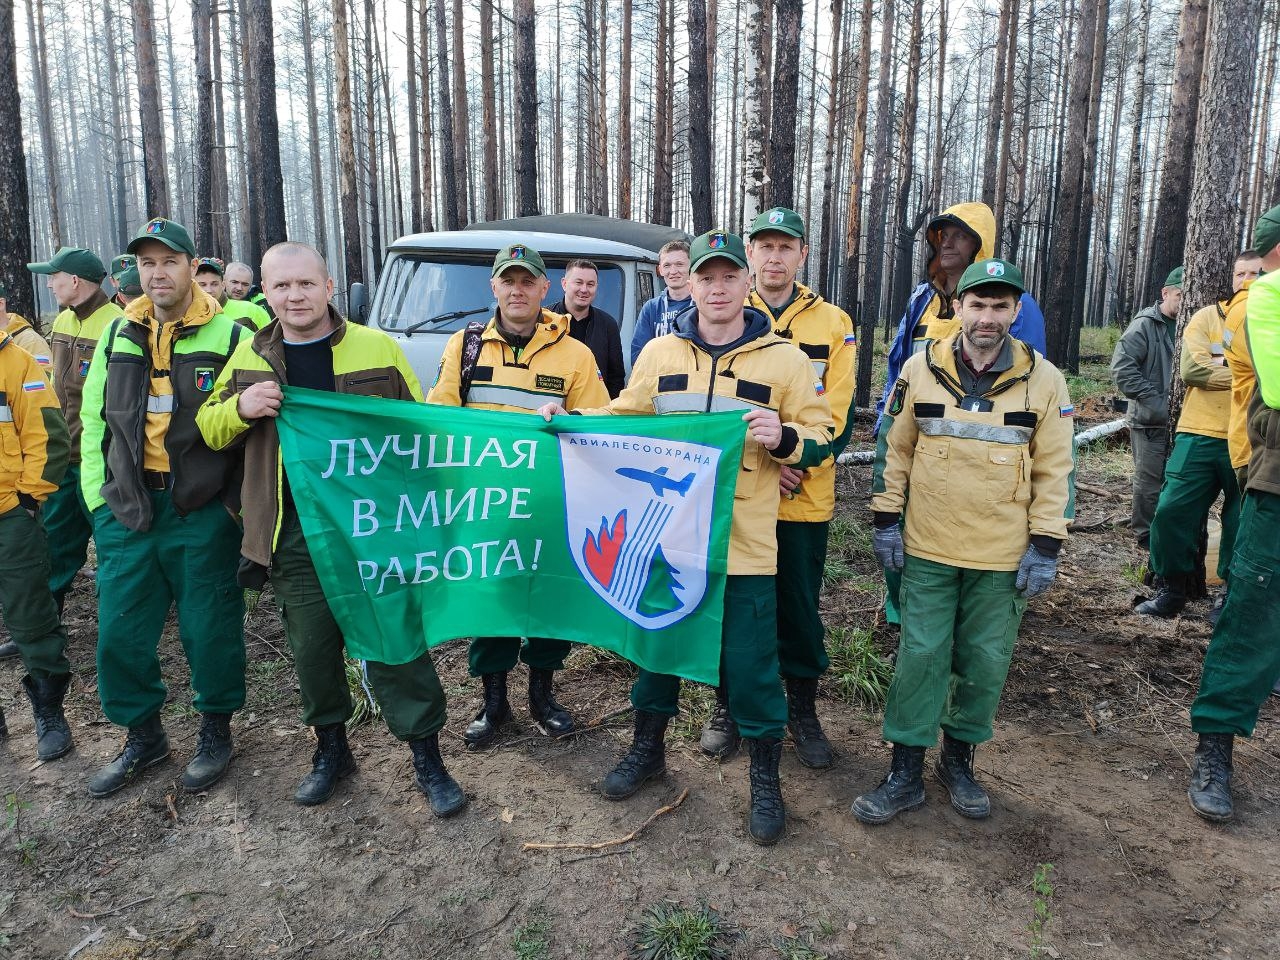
<point x="981" y="483"/>
<point x="823" y="333"/>
<point x="25" y="336"/>
<point x="1243" y="378"/>
<point x="675" y="374"/>
<point x="74" y="338"/>
<point x="1206" y="408"/>
<point x="551" y="368"/>
<point x="33" y="434"/>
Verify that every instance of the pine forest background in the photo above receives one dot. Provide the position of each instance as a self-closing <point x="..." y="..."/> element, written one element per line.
<point x="1111" y="137"/>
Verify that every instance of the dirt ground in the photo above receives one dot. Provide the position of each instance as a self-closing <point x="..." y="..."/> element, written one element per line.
<point x="1088" y="773"/>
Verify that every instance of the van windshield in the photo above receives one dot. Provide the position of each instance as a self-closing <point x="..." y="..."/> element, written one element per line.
<point x="445" y="294"/>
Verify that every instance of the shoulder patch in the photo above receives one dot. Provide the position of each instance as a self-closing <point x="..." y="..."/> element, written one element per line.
<point x="898" y="398"/>
<point x="32" y="386"/>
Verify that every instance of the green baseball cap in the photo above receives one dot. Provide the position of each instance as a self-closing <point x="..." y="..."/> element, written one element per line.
<point x="76" y="261"/>
<point x="120" y="264"/>
<point x="988" y="273"/>
<point x="1174" y="279"/>
<point x="129" y="281"/>
<point x="717" y="244"/>
<point x="211" y="263"/>
<point x="518" y="255"/>
<point x="169" y="232"/>
<point x="1266" y="232"/>
<point x="778" y="218"/>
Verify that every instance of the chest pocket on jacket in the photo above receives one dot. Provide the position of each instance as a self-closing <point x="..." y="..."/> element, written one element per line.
<point x="377" y="385"/>
<point x="244" y="379"/>
<point x="1007" y="474"/>
<point x="8" y="432"/>
<point x="931" y="465"/>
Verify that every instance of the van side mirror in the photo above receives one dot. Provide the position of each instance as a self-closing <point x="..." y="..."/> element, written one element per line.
<point x="358" y="304"/>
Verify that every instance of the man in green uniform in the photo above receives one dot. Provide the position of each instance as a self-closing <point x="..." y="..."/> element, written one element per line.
<point x="1242" y="663"/>
<point x="788" y="424"/>
<point x="75" y="278"/>
<point x="209" y="272"/>
<point x="124" y="273"/>
<point x="979" y="429"/>
<point x="312" y="346"/>
<point x="33" y="457"/>
<point x="160" y="500"/>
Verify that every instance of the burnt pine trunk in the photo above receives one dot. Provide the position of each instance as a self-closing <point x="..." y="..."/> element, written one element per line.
<point x="154" y="176"/>
<point x="835" y="88"/>
<point x="271" y="227"/>
<point x="624" y="109"/>
<point x="1214" y="206"/>
<point x="699" y="111"/>
<point x="853" y="221"/>
<point x="1129" y="301"/>
<point x="900" y="288"/>
<point x="218" y="162"/>
<point x="759" y="36"/>
<point x="661" y="191"/>
<point x="461" y="121"/>
<point x="353" y="249"/>
<point x="15" y="202"/>
<point x="935" y="174"/>
<point x="786" y="91"/>
<point x="1170" y="234"/>
<point x="414" y="105"/>
<point x="996" y="107"/>
<point x="313" y="134"/>
<point x="427" y="142"/>
<point x="526" y="111"/>
<point x="1060" y="319"/>
<point x="201" y="20"/>
<point x="1088" y="181"/>
<point x="448" y="160"/>
<point x="119" y="221"/>
<point x="1006" y="127"/>
<point x="879" y="212"/>
<point x="44" y="114"/>
<point x="373" y="193"/>
<point x="602" y="112"/>
<point x="488" y="102"/>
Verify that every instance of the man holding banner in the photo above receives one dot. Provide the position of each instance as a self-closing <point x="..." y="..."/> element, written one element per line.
<point x="520" y="360"/>
<point x="311" y="346"/>
<point x="726" y="357"/>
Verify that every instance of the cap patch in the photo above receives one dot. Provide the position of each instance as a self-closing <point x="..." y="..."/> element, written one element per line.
<point x="517" y="253"/>
<point x="156" y="226"/>
<point x="995" y="269"/>
<point x="775" y="217"/>
<point x="717" y="241"/>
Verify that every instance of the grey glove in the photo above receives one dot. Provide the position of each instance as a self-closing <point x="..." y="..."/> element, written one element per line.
<point x="887" y="542"/>
<point x="1036" y="572"/>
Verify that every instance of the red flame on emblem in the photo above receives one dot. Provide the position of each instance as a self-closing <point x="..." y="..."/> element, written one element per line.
<point x="601" y="551"/>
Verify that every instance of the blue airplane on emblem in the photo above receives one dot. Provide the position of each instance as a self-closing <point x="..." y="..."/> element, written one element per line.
<point x="658" y="479"/>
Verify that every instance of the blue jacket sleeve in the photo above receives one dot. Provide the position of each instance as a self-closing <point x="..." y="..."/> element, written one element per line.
<point x="900" y="351"/>
<point x="644" y="328"/>
<point x="1029" y="326"/>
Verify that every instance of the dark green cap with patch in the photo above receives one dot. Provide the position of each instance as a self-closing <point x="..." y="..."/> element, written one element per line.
<point x="518" y="255"/>
<point x="169" y="232"/>
<point x="120" y="264"/>
<point x="1174" y="279"/>
<point x="129" y="281"/>
<point x="211" y="263"/>
<point x="717" y="244"/>
<point x="1266" y="232"/>
<point x="76" y="261"/>
<point x="778" y="218"/>
<point x="990" y="273"/>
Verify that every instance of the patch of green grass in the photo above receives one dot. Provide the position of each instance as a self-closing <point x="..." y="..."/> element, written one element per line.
<point x="1105" y="461"/>
<point x="180" y="710"/>
<point x="366" y="708"/>
<point x="530" y="941"/>
<point x="267" y="669"/>
<point x="1135" y="573"/>
<point x="668" y="931"/>
<point x="858" y="672"/>
<point x="1041" y="907"/>
<point x="848" y="544"/>
<point x="798" y="948"/>
<point x="14" y="807"/>
<point x="836" y="570"/>
<point x="1098" y="340"/>
<point x="696" y="703"/>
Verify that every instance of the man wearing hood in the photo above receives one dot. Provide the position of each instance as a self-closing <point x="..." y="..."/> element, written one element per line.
<point x="962" y="234"/>
<point x="22" y="333"/>
<point x="1142" y="367"/>
<point x="162" y="504"/>
<point x="824" y="333"/>
<point x="725" y="356"/>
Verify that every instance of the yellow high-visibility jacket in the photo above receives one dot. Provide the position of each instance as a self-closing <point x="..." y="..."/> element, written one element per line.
<point x="824" y="333"/>
<point x="981" y="483"/>
<point x="1206" y="409"/>
<point x="1243" y="379"/>
<point x="676" y="374"/>
<point x="34" y="447"/>
<point x="25" y="336"/>
<point x="552" y="368"/>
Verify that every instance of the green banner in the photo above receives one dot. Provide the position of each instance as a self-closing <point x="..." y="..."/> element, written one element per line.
<point x="428" y="523"/>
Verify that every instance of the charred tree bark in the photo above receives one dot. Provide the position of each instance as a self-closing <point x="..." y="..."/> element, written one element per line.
<point x="699" y="110"/>
<point x="461" y="119"/>
<point x="44" y="115"/>
<point x="269" y="215"/>
<point x="1133" y="181"/>
<point x="201" y="20"/>
<point x="448" y="159"/>
<point x="353" y="248"/>
<point x="834" y="91"/>
<point x="661" y="192"/>
<point x="119" y="189"/>
<point x="905" y="241"/>
<point x="15" y="201"/>
<point x="853" y="221"/>
<point x="526" y="111"/>
<point x="488" y="100"/>
<point x="414" y="105"/>
<point x="321" y="232"/>
<point x="154" y="163"/>
<point x="759" y="42"/>
<point x="995" y="105"/>
<point x="879" y="212"/>
<point x="784" y="96"/>
<point x="624" y="109"/>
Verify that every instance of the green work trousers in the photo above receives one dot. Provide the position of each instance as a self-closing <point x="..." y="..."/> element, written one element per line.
<point x="1242" y="663"/>
<point x="802" y="556"/>
<point x="409" y="694"/>
<point x="69" y="526"/>
<point x="1198" y="470"/>
<point x="958" y="631"/>
<point x="499" y="654"/>
<point x="748" y="663"/>
<point x="1149" y="445"/>
<point x="30" y="613"/>
<point x="188" y="562"/>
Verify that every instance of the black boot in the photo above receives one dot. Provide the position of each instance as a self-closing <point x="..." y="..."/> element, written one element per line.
<point x="53" y="736"/>
<point x="813" y="749"/>
<point x="493" y="713"/>
<point x="1170" y="598"/>
<point x="330" y="763"/>
<point x="902" y="789"/>
<point x="212" y="755"/>
<point x="646" y="759"/>
<point x="145" y="745"/>
<point x="768" y="813"/>
<point x="954" y="768"/>
<point x="1210" y="790"/>
<point x="720" y="733"/>
<point x="8" y="650"/>
<point x="548" y="715"/>
<point x="433" y="779"/>
<point x="1219" y="603"/>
